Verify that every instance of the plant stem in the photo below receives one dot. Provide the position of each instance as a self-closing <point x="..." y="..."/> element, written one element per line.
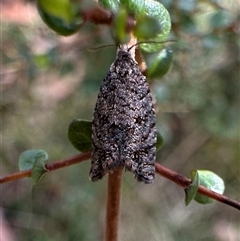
<point x="161" y="170"/>
<point x="100" y="15"/>
<point x="185" y="182"/>
<point x="49" y="166"/>
<point x="113" y="205"/>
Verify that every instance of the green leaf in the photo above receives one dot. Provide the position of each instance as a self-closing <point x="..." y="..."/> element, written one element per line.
<point x="112" y="5"/>
<point x="160" y="141"/>
<point x="156" y="10"/>
<point x="135" y="7"/>
<point x="159" y="63"/>
<point x="38" y="169"/>
<point x="28" y="158"/>
<point x="60" y="8"/>
<point x="80" y="134"/>
<point x="147" y="27"/>
<point x="34" y="160"/>
<point x="191" y="190"/>
<point x="119" y="31"/>
<point x="153" y="20"/>
<point x="62" y="16"/>
<point x="211" y="181"/>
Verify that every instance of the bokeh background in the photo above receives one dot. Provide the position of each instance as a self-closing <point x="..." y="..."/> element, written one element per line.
<point x="47" y="81"/>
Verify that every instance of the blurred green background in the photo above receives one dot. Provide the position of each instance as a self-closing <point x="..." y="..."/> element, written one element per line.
<point x="47" y="81"/>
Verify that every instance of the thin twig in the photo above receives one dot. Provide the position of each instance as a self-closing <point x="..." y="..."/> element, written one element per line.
<point x="97" y="15"/>
<point x="49" y="166"/>
<point x="100" y="15"/>
<point x="185" y="182"/>
<point x="113" y="205"/>
<point x="161" y="170"/>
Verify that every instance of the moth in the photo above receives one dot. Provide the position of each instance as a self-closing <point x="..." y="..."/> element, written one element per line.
<point x="124" y="122"/>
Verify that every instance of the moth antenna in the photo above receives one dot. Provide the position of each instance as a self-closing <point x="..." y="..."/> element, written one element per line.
<point x="151" y="42"/>
<point x="96" y="48"/>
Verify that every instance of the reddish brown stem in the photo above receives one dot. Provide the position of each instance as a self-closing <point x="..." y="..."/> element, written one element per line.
<point x="68" y="161"/>
<point x="99" y="15"/>
<point x="113" y="205"/>
<point x="15" y="176"/>
<point x="163" y="171"/>
<point x="173" y="176"/>
<point x="185" y="182"/>
<point x="50" y="167"/>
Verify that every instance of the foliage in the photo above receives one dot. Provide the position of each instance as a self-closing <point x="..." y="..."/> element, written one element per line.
<point x="47" y="82"/>
<point x="34" y="160"/>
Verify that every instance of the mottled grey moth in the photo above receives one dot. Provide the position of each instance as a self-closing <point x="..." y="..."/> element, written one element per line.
<point x="124" y="130"/>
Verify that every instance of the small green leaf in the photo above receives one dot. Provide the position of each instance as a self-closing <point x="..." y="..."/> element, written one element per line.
<point x="28" y="158"/>
<point x="153" y="20"/>
<point x="119" y="31"/>
<point x="38" y="169"/>
<point x="211" y="181"/>
<point x="34" y="160"/>
<point x="147" y="27"/>
<point x="159" y="63"/>
<point x="156" y="10"/>
<point x="160" y="141"/>
<point x="80" y="134"/>
<point x="62" y="16"/>
<point x="135" y="7"/>
<point x="191" y="190"/>
<point x="112" y="5"/>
